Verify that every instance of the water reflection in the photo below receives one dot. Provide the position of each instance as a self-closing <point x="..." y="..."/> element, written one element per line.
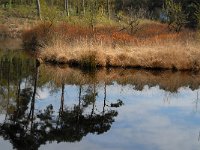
<point x="10" y="43"/>
<point x="27" y="127"/>
<point x="166" y="80"/>
<point x="42" y="104"/>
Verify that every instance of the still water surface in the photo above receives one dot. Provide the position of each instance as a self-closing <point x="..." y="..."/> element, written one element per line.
<point x="47" y="108"/>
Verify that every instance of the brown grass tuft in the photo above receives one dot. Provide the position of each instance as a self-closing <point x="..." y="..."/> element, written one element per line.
<point x="151" y="47"/>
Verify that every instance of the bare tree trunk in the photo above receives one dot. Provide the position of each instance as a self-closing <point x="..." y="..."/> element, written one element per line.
<point x="77" y="7"/>
<point x="67" y="7"/>
<point x="38" y="8"/>
<point x="32" y="109"/>
<point x="108" y="8"/>
<point x="94" y="99"/>
<point x="83" y="6"/>
<point x="10" y="3"/>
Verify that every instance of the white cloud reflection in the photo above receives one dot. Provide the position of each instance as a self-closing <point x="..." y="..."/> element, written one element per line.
<point x="147" y="122"/>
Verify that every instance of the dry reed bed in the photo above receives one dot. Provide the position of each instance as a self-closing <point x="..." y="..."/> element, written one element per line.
<point x="167" y="80"/>
<point x="151" y="47"/>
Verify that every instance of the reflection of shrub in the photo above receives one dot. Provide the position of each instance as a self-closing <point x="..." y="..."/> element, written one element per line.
<point x="89" y="60"/>
<point x="118" y="104"/>
<point x="4" y="31"/>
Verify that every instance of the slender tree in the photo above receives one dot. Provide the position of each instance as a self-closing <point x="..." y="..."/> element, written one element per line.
<point x="10" y="3"/>
<point x="38" y="8"/>
<point x="108" y="8"/>
<point x="83" y="6"/>
<point x="67" y="7"/>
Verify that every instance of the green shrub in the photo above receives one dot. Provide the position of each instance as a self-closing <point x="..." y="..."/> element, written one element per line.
<point x="50" y="13"/>
<point x="176" y="16"/>
<point x="197" y="14"/>
<point x="22" y="12"/>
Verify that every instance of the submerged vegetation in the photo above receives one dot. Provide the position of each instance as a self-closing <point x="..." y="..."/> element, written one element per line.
<point x="115" y="33"/>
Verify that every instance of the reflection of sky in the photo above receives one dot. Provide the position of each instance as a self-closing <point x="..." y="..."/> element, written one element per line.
<point x="151" y="119"/>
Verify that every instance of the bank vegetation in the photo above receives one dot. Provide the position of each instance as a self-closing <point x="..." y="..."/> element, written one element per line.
<point x="111" y="33"/>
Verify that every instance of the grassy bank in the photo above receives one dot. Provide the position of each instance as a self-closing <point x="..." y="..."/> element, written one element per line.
<point x="109" y="43"/>
<point x="152" y="46"/>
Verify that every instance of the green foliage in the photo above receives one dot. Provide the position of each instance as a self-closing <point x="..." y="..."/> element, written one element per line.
<point x="91" y="14"/>
<point x="102" y="18"/>
<point x="49" y="13"/>
<point x="130" y="22"/>
<point x="22" y="12"/>
<point x="176" y="17"/>
<point x="1" y="13"/>
<point x="197" y="14"/>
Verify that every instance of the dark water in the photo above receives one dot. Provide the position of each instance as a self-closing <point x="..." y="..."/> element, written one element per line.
<point x="47" y="108"/>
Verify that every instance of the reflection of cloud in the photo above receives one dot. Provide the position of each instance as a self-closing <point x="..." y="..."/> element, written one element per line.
<point x="154" y="125"/>
<point x="82" y="145"/>
<point x="145" y="122"/>
<point x="42" y="93"/>
<point x="5" y="145"/>
<point x="2" y="118"/>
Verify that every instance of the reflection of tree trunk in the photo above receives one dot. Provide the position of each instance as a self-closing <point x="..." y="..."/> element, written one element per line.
<point x="94" y="99"/>
<point x="79" y="108"/>
<point x="79" y="104"/>
<point x="104" y="104"/>
<point x="104" y="100"/>
<point x="19" y="70"/>
<point x="8" y="87"/>
<point x="62" y="99"/>
<point x="31" y="113"/>
<point x="18" y="95"/>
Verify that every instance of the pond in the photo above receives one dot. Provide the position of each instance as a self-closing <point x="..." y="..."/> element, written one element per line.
<point x="57" y="107"/>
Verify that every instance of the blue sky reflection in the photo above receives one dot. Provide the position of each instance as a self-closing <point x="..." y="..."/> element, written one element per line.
<point x="151" y="119"/>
